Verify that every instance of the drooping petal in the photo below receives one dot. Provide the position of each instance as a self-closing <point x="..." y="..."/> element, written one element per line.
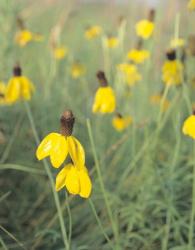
<point x="59" y="151"/>
<point x="72" y="181"/>
<point x="76" y="151"/>
<point x="27" y="88"/>
<point x="85" y="184"/>
<point x="44" y="148"/>
<point x="13" y="90"/>
<point x="61" y="177"/>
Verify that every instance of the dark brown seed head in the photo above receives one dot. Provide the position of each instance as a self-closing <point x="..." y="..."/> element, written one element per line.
<point x="17" y="71"/>
<point x="171" y="54"/>
<point x="139" y="44"/>
<point x="67" y="122"/>
<point x="102" y="78"/>
<point x="151" y="15"/>
<point x="118" y="115"/>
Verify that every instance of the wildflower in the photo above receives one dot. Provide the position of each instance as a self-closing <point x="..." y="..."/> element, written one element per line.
<point x="93" y="32"/>
<point x="59" y="145"/>
<point x="177" y="42"/>
<point x="111" y="42"/>
<point x="2" y="93"/>
<point x="105" y="101"/>
<point x="189" y="126"/>
<point x="120" y="123"/>
<point x="157" y="99"/>
<point x="130" y="73"/>
<point x="191" y="5"/>
<point x="75" y="179"/>
<point x="19" y="87"/>
<point x="172" y="69"/>
<point x="77" y="70"/>
<point x="25" y="36"/>
<point x="60" y="52"/>
<point x="138" y="55"/>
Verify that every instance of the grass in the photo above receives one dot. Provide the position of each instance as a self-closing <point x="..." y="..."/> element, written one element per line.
<point x="143" y="178"/>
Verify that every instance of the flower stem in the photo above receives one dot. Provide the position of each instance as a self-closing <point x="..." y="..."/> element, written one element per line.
<point x="49" y="173"/>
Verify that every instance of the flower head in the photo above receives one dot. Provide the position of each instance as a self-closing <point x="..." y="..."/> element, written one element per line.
<point x="138" y="55"/>
<point x="172" y="69"/>
<point x="25" y="36"/>
<point x="189" y="126"/>
<point x="105" y="101"/>
<point x="191" y="5"/>
<point x="60" y="52"/>
<point x="111" y="42"/>
<point x="93" y="32"/>
<point x="120" y="123"/>
<point x="130" y="73"/>
<point x="19" y="87"/>
<point x="177" y="43"/>
<point x="77" y="70"/>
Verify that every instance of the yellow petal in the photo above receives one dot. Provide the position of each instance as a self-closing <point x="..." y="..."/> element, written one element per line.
<point x="76" y="151"/>
<point x="13" y="90"/>
<point x="85" y="184"/>
<point x="27" y="88"/>
<point x="59" y="150"/>
<point x="61" y="177"/>
<point x="72" y="181"/>
<point x="45" y="146"/>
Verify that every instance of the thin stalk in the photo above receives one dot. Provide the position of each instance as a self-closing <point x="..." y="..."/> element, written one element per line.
<point x="49" y="173"/>
<point x="97" y="165"/>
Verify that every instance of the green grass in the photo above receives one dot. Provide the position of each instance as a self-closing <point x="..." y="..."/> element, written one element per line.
<point x="142" y="178"/>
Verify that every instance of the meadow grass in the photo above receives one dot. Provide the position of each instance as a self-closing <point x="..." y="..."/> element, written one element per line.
<point x="143" y="179"/>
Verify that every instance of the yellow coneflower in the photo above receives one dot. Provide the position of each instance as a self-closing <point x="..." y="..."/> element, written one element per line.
<point x="189" y="126"/>
<point x="191" y="5"/>
<point x="157" y="99"/>
<point x="105" y="100"/>
<point x="111" y="42"/>
<point x="120" y="123"/>
<point x="2" y="93"/>
<point x="172" y="69"/>
<point x="59" y="145"/>
<point x="130" y="73"/>
<point x="60" y="52"/>
<point x="19" y="87"/>
<point x="93" y="32"/>
<point x="76" y="179"/>
<point x="77" y="70"/>
<point x="25" y="36"/>
<point x="138" y="55"/>
<point x="177" y="43"/>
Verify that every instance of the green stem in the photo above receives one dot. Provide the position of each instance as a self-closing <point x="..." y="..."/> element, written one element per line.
<point x="49" y="173"/>
<point x="101" y="181"/>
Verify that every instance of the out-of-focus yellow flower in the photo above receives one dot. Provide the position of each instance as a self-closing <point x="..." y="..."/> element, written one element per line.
<point x="144" y="28"/>
<point x="191" y="5"/>
<point x="138" y="55"/>
<point x="157" y="99"/>
<point x="105" y="100"/>
<point x="189" y="126"/>
<point x="172" y="72"/>
<point x="77" y="70"/>
<point x="93" y="32"/>
<point x="130" y="73"/>
<point x="19" y="87"/>
<point x="2" y="93"/>
<point x="38" y="37"/>
<point x="25" y="36"/>
<point x="111" y="42"/>
<point x="60" y="52"/>
<point x="75" y="179"/>
<point x="120" y="123"/>
<point x="177" y="42"/>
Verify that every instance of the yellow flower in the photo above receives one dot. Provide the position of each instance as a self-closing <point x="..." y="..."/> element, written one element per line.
<point x="138" y="55"/>
<point x="172" y="72"/>
<point x="93" y="32"/>
<point x="120" y="123"/>
<point x="19" y="87"/>
<point x="111" y="42"/>
<point x="177" y="42"/>
<point x="130" y="73"/>
<point x="75" y="179"/>
<point x="23" y="37"/>
<point x="189" y="126"/>
<point x="191" y="5"/>
<point x="156" y="100"/>
<point x="144" y="28"/>
<point x="77" y="70"/>
<point x="2" y="93"/>
<point x="60" y="52"/>
<point x="105" y="100"/>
